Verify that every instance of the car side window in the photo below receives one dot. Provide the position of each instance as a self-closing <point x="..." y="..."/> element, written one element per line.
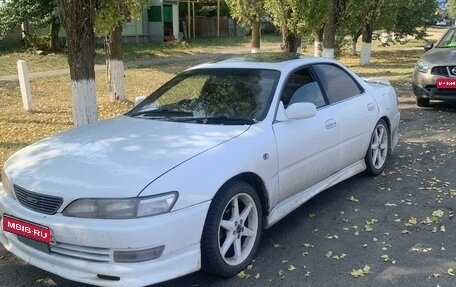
<point x="301" y="86"/>
<point x="336" y="82"/>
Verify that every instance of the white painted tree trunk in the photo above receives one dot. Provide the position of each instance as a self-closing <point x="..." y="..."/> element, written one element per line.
<point x="118" y="92"/>
<point x="365" y="55"/>
<point x="255" y="50"/>
<point x="84" y="102"/>
<point x="318" y="49"/>
<point x="328" y="53"/>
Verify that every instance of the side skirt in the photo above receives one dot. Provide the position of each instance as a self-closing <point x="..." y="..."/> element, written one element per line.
<point x="287" y="206"/>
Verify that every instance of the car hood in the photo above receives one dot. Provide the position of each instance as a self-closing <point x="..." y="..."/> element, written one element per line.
<point x="113" y="158"/>
<point x="440" y="56"/>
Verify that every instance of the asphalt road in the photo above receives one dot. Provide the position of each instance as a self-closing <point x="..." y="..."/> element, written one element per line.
<point x="400" y="224"/>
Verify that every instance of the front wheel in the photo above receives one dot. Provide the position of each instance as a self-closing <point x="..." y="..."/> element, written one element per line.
<point x="377" y="152"/>
<point x="232" y="230"/>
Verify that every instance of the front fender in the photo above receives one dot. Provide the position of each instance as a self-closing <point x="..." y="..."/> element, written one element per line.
<point x="198" y="179"/>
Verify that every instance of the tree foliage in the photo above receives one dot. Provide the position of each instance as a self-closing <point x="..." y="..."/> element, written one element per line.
<point x="39" y="13"/>
<point x="452" y="7"/>
<point x="113" y="13"/>
<point x="246" y="10"/>
<point x="290" y="16"/>
<point x="251" y="12"/>
<point x="412" y="15"/>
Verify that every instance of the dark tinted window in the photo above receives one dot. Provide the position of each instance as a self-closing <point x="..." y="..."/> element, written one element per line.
<point x="302" y="87"/>
<point x="337" y="84"/>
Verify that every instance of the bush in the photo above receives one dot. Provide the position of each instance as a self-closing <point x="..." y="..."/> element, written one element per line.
<point x="37" y="42"/>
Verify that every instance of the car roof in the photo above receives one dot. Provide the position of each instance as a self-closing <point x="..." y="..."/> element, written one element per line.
<point x="265" y="60"/>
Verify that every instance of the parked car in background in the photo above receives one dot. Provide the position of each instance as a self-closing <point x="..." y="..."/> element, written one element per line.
<point x="434" y="77"/>
<point x="441" y="22"/>
<point x="190" y="177"/>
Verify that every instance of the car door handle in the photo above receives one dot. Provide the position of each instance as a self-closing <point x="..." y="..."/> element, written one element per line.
<point x="331" y="123"/>
<point x="370" y="107"/>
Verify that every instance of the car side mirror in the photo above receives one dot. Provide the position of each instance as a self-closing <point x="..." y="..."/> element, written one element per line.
<point x="139" y="99"/>
<point x="301" y="110"/>
<point x="428" y="46"/>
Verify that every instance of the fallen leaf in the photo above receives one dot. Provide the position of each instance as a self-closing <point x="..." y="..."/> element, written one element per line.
<point x="257" y="276"/>
<point x="328" y="254"/>
<point x="353" y="199"/>
<point x="243" y="275"/>
<point x="291" y="267"/>
<point x="438" y="213"/>
<point x="361" y="272"/>
<point x="451" y="272"/>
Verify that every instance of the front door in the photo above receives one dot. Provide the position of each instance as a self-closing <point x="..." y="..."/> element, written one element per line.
<point x="308" y="149"/>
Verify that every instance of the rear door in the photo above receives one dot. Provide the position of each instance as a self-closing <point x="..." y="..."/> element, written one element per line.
<point x="356" y="111"/>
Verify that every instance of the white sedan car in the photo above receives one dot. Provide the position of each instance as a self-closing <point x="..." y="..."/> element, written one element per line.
<point x="188" y="179"/>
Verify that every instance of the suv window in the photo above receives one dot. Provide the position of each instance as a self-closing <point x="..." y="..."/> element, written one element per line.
<point x="337" y="84"/>
<point x="448" y="40"/>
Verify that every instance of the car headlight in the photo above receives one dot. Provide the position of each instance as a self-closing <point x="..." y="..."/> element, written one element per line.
<point x="6" y="183"/>
<point x="121" y="208"/>
<point x="422" y="67"/>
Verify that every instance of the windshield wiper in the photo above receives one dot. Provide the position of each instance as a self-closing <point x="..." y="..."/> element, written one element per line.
<point x="224" y="120"/>
<point x="161" y="113"/>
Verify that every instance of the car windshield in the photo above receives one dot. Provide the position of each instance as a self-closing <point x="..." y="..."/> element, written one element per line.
<point x="212" y="96"/>
<point x="448" y="40"/>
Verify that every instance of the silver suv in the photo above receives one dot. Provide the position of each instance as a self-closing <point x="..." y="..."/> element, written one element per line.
<point x="434" y="77"/>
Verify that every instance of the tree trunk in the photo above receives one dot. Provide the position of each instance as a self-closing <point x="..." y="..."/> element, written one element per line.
<point x="354" y="42"/>
<point x="290" y="41"/>
<point x="366" y="46"/>
<point x="318" y="45"/>
<point x="78" y="20"/>
<point x="329" y="37"/>
<point x="114" y="65"/>
<point x="256" y="32"/>
<point x="54" y="41"/>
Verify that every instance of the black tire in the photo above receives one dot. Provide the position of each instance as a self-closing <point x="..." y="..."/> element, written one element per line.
<point x="422" y="102"/>
<point x="378" y="150"/>
<point x="214" y="235"/>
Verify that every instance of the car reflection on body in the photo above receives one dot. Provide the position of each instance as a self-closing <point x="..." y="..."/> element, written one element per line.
<point x="434" y="77"/>
<point x="188" y="178"/>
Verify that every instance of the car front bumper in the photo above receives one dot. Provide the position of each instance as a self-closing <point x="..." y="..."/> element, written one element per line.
<point x="424" y="86"/>
<point x="82" y="249"/>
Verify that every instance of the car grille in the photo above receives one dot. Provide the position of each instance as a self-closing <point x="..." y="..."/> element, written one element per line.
<point x="38" y="202"/>
<point x="446" y="71"/>
<point x="82" y="252"/>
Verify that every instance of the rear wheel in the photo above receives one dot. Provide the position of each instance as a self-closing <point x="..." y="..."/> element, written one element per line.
<point x="232" y="230"/>
<point x="422" y="102"/>
<point x="377" y="153"/>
